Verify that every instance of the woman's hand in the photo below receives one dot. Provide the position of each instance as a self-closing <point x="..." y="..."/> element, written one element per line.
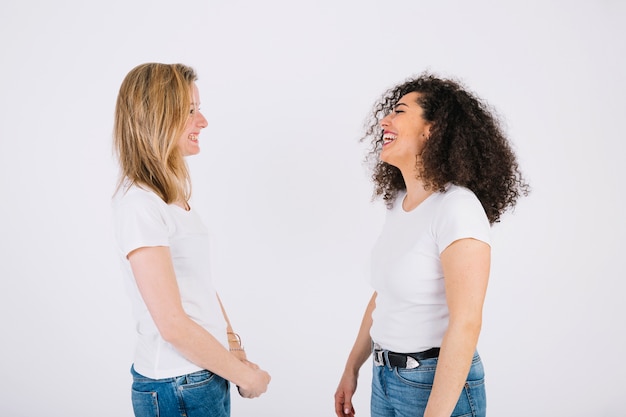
<point x="343" y="395"/>
<point x="361" y="350"/>
<point x="258" y="384"/>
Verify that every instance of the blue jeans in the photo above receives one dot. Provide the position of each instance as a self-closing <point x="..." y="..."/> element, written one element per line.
<point x="398" y="392"/>
<point x="200" y="394"/>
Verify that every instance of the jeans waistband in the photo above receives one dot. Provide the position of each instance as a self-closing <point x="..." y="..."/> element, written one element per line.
<point x="384" y="357"/>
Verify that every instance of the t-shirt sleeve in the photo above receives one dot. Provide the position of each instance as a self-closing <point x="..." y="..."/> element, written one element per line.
<point x="140" y="222"/>
<point x="461" y="216"/>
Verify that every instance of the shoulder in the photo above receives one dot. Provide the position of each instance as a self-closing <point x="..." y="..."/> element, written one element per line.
<point x="140" y="219"/>
<point x="134" y="195"/>
<point x="134" y="202"/>
<point x="459" y="205"/>
<point x="456" y="192"/>
<point x="460" y="215"/>
<point x="459" y="198"/>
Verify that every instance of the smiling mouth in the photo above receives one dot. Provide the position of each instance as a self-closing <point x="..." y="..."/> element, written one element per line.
<point x="193" y="138"/>
<point x="388" y="138"/>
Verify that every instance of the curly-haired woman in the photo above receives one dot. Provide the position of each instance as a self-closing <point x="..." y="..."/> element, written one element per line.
<point x="446" y="172"/>
<point x="187" y="353"/>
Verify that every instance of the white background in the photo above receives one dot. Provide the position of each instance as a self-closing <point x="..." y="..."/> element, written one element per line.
<point x="286" y="86"/>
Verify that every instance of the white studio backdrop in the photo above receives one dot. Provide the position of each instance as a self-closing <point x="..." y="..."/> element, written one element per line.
<point x="285" y="87"/>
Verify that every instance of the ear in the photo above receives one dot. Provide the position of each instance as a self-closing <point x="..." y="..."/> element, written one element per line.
<point x="427" y="130"/>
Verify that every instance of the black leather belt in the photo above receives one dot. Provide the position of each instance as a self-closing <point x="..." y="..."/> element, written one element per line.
<point x="403" y="360"/>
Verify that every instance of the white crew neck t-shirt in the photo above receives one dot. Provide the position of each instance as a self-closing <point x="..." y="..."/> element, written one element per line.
<point x="143" y="219"/>
<point x="411" y="313"/>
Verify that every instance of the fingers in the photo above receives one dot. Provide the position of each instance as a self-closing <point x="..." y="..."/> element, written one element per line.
<point x="343" y="404"/>
<point x="244" y="393"/>
<point x="259" y="386"/>
<point x="339" y="404"/>
<point x="343" y="395"/>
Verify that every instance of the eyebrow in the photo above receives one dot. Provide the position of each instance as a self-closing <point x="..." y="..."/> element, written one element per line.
<point x="400" y="104"/>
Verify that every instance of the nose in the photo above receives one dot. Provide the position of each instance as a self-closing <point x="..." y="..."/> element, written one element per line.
<point x="201" y="122"/>
<point x="385" y="121"/>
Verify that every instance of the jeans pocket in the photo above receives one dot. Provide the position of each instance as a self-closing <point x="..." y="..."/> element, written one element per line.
<point x="473" y="401"/>
<point x="206" y="394"/>
<point x="197" y="379"/>
<point x="145" y="404"/>
<point x="420" y="377"/>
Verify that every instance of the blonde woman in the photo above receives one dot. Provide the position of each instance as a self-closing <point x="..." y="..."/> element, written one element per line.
<point x="187" y="353"/>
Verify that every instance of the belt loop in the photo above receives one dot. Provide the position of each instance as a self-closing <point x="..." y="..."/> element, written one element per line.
<point x="386" y="358"/>
<point x="378" y="357"/>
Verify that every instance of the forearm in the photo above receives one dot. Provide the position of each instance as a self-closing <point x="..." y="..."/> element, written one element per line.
<point x="358" y="355"/>
<point x="203" y="349"/>
<point x="362" y="348"/>
<point x="455" y="359"/>
<point x="234" y="341"/>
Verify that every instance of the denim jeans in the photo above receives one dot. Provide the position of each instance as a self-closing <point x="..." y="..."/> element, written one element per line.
<point x="400" y="392"/>
<point x="199" y="394"/>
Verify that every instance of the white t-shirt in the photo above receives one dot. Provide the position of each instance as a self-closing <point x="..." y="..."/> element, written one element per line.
<point x="143" y="219"/>
<point x="411" y="313"/>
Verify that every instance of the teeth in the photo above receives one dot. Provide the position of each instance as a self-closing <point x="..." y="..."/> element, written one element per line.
<point x="193" y="137"/>
<point x="389" y="137"/>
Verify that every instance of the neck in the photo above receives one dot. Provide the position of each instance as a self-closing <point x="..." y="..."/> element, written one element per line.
<point x="416" y="192"/>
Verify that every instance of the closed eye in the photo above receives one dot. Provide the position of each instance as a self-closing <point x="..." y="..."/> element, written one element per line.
<point x="399" y="108"/>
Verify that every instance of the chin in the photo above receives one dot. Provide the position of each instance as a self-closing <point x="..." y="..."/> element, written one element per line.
<point x="193" y="151"/>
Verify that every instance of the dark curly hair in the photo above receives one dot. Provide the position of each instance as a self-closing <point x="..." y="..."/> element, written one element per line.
<point x="466" y="146"/>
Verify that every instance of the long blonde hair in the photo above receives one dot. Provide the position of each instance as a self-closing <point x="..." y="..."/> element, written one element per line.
<point x="151" y="113"/>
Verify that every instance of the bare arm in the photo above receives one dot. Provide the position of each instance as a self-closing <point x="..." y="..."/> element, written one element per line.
<point x="154" y="273"/>
<point x="466" y="264"/>
<point x="236" y="348"/>
<point x="234" y="341"/>
<point x="358" y="355"/>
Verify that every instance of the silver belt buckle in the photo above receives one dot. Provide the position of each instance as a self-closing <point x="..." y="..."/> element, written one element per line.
<point x="411" y="363"/>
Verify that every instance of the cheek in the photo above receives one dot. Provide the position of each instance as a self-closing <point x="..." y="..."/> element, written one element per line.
<point x="186" y="132"/>
<point x="183" y="140"/>
<point x="411" y="144"/>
